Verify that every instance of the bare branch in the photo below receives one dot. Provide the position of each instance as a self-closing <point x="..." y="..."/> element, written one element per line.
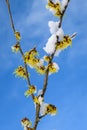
<point x="11" y="19"/>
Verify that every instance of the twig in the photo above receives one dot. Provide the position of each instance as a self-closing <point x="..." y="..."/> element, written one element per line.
<point x="13" y="27"/>
<point x="61" y="17"/>
<point x="9" y="10"/>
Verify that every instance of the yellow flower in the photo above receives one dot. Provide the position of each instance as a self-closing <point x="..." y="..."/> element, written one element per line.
<point x="53" y="67"/>
<point x="36" y="101"/>
<point x="51" y="109"/>
<point x="41" y="69"/>
<point x="32" y="53"/>
<point x="55" y="7"/>
<point x="26" y="122"/>
<point x="30" y="91"/>
<point x="21" y="72"/>
<point x="67" y="41"/>
<point x="16" y="47"/>
<point x="47" y="58"/>
<point x="32" y="62"/>
<point x="17" y="35"/>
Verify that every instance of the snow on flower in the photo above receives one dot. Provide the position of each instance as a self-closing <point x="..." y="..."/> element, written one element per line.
<point x="47" y="109"/>
<point x="57" y="34"/>
<point x="54" y="29"/>
<point x="54" y="7"/>
<point x="60" y="34"/>
<point x="43" y="108"/>
<point x="51" y="44"/>
<point x="63" y="4"/>
<point x="40" y="63"/>
<point x="53" y="68"/>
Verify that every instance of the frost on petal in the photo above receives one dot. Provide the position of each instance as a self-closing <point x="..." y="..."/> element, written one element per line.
<point x="51" y="44"/>
<point x="43" y="108"/>
<point x="60" y="34"/>
<point x="53" y="26"/>
<point x="63" y="4"/>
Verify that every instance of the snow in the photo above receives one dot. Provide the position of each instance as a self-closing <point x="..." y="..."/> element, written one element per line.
<point x="57" y="34"/>
<point x="43" y="108"/>
<point x="56" y="66"/>
<point x="63" y="4"/>
<point x="51" y="44"/>
<point x="53" y="26"/>
<point x="60" y="34"/>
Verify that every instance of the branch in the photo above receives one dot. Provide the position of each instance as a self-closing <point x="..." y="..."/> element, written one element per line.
<point x="47" y="75"/>
<point x="9" y="10"/>
<point x="13" y="27"/>
<point x="61" y="18"/>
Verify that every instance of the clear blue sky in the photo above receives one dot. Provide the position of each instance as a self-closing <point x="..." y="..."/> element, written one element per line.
<point x="67" y="89"/>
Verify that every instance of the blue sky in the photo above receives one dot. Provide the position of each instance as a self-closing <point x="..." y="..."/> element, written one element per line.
<point x="67" y="89"/>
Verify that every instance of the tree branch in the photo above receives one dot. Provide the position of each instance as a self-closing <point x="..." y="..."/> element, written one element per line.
<point x="13" y="27"/>
<point x="9" y="10"/>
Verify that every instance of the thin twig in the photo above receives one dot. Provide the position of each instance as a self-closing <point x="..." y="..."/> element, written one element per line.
<point x="9" y="10"/>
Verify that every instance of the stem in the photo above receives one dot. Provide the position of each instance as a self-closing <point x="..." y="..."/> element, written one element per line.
<point x="61" y="17"/>
<point x="9" y="10"/>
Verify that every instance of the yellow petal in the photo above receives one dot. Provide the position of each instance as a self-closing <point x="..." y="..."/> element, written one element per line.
<point x="17" y="35"/>
<point x="26" y="122"/>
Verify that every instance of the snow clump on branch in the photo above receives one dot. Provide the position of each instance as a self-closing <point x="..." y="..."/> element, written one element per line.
<point x="57" y="35"/>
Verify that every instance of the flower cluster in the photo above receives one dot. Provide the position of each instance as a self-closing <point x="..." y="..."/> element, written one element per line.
<point x="30" y="91"/>
<point x="21" y="72"/>
<point x="26" y="122"/>
<point x="54" y="7"/>
<point x="61" y="45"/>
<point x="16" y="47"/>
<point x="47" y="109"/>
